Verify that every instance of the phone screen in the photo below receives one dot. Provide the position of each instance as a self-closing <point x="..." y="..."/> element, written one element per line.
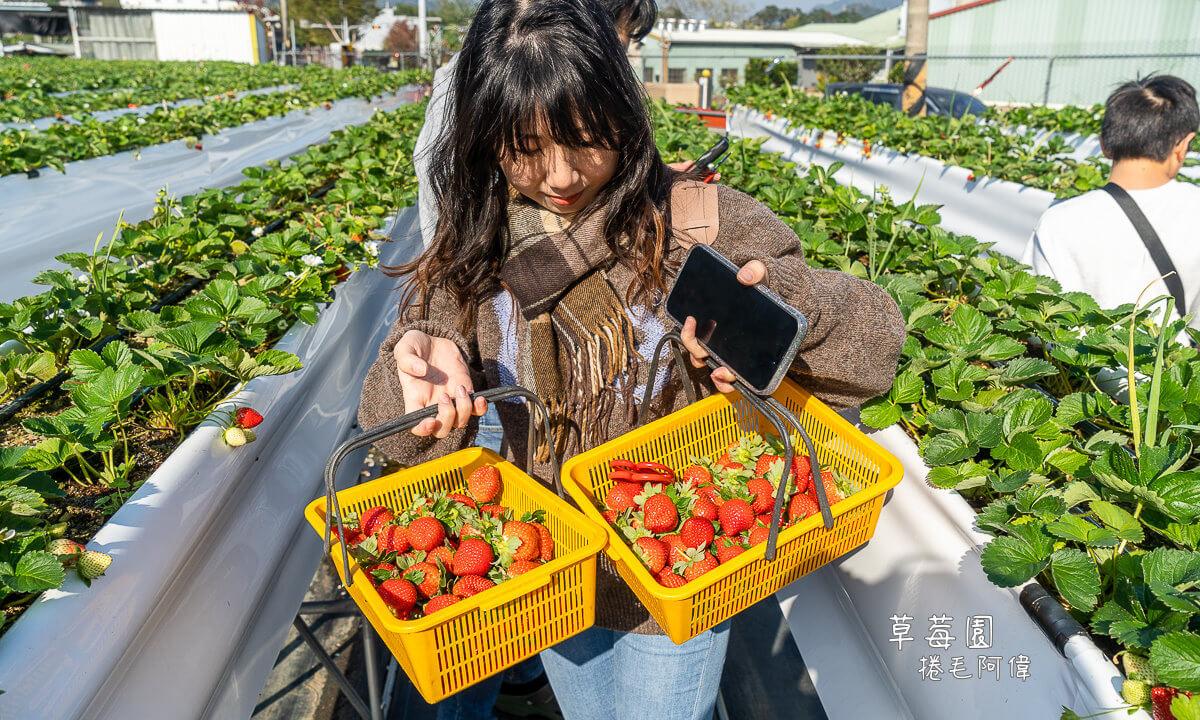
<point x="746" y="329"/>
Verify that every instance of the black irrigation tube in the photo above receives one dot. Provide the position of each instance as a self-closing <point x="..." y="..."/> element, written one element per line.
<point x="19" y="403"/>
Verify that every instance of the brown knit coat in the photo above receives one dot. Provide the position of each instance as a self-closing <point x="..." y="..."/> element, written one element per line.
<point x="849" y="354"/>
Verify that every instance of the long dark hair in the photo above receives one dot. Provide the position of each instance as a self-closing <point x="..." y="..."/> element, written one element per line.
<point x="530" y="67"/>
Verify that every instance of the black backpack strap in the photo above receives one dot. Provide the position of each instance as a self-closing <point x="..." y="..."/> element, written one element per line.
<point x="1158" y="253"/>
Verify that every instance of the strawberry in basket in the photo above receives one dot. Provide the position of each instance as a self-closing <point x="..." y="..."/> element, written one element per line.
<point x="682" y="526"/>
<point x="444" y="548"/>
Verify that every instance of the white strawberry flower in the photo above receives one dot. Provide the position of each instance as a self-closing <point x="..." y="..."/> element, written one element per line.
<point x="257" y="232"/>
<point x="372" y="247"/>
<point x="290" y="274"/>
<point x="28" y="330"/>
<point x="84" y="278"/>
<point x="311" y="260"/>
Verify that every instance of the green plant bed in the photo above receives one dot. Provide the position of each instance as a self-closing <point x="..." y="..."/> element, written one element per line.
<point x="1000" y="385"/>
<point x="70" y="460"/>
<point x="25" y="150"/>
<point x="985" y="149"/>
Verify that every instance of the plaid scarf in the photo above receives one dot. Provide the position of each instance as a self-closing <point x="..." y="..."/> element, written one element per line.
<point x="578" y="338"/>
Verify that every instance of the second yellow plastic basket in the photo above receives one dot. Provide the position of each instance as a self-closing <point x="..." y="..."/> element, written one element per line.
<point x="486" y="633"/>
<point x="706" y="428"/>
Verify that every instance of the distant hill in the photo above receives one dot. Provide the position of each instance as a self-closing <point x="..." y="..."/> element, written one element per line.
<point x="866" y="8"/>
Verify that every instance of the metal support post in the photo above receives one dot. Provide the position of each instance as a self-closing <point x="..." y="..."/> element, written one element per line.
<point x="372" y="663"/>
<point x="422" y="35"/>
<point x="1049" y="70"/>
<point x="326" y="661"/>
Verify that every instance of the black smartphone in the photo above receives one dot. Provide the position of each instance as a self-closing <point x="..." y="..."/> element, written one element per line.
<point x="748" y="329"/>
<point x="705" y="161"/>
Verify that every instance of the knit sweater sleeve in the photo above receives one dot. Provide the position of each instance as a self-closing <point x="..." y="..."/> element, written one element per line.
<point x="855" y="329"/>
<point x="383" y="399"/>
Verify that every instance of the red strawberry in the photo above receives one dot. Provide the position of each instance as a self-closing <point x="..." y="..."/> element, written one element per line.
<point x="696" y="475"/>
<point x="704" y="509"/>
<point x="710" y="493"/>
<point x="372" y="519"/>
<point x="353" y="537"/>
<point x="802" y="506"/>
<point x="484" y="483"/>
<point x="462" y="499"/>
<point x="651" y="552"/>
<point x="758" y="535"/>
<point x="426" y="533"/>
<point x="660" y="514"/>
<point x="392" y="538"/>
<point x="399" y="594"/>
<point x="379" y="567"/>
<point x="831" y="489"/>
<point x="439" y="602"/>
<point x="441" y="554"/>
<point x="496" y="511"/>
<point x="521" y="567"/>
<point x="468" y="585"/>
<point x="736" y="516"/>
<point x="704" y="564"/>
<point x="247" y="417"/>
<point x="1160" y="702"/>
<point x="528" y="548"/>
<point x="545" y="541"/>
<point x="728" y="464"/>
<point x="474" y="557"/>
<point x="676" y="550"/>
<point x="764" y="494"/>
<point x="666" y="578"/>
<point x="620" y="496"/>
<point x="765" y="461"/>
<point x="801" y="472"/>
<point x="696" y="532"/>
<point x="763" y="519"/>
<point x="610" y="516"/>
<point x="426" y="577"/>
<point x="728" y="553"/>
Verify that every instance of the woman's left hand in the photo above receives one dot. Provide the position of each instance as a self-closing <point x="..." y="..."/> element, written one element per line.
<point x="752" y="273"/>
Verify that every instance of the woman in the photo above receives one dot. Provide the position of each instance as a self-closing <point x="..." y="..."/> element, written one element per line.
<point x="559" y="230"/>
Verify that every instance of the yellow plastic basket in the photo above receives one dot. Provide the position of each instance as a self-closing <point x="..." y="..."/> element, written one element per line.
<point x="495" y="629"/>
<point x="706" y="428"/>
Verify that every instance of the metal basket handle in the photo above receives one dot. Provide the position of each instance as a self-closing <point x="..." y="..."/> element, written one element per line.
<point x="770" y="408"/>
<point x="405" y="422"/>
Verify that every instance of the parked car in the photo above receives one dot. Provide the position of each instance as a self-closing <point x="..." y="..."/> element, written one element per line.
<point x="938" y="101"/>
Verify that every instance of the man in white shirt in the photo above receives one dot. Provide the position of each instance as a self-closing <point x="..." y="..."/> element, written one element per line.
<point x="1089" y="244"/>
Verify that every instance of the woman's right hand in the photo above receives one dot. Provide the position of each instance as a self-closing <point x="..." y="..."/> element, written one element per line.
<point x="433" y="371"/>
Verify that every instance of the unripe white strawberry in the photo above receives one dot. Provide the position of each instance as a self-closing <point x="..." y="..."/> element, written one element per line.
<point x="63" y="546"/>
<point x="235" y="436"/>
<point x="92" y="564"/>
<point x="1138" y="667"/>
<point x="1135" y="692"/>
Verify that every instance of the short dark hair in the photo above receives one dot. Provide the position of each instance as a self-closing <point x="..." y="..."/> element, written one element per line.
<point x="637" y="16"/>
<point x="1147" y="118"/>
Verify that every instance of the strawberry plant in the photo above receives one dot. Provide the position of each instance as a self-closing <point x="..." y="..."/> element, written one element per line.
<point x="150" y="332"/>
<point x="986" y="149"/>
<point x="23" y="150"/>
<point x="1008" y="386"/>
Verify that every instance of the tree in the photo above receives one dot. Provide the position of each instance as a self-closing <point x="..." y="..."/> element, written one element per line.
<point x="401" y="37"/>
<point x="327" y="11"/>
<point x="719" y="12"/>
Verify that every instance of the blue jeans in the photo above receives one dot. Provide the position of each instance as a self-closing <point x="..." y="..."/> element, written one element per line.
<point x="473" y="703"/>
<point x="603" y="674"/>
